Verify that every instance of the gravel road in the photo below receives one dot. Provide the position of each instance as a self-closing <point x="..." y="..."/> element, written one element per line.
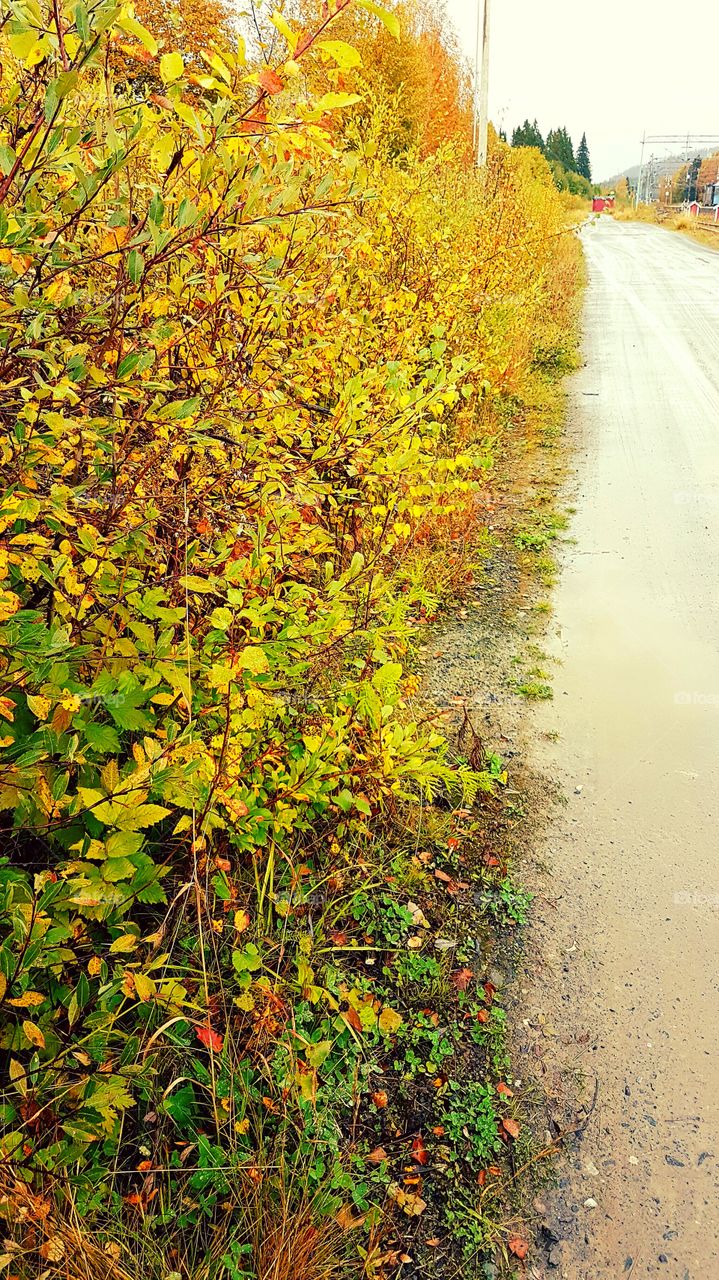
<point x="632" y="948"/>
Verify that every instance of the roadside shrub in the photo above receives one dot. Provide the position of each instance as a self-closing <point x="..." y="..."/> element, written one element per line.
<point x="248" y="365"/>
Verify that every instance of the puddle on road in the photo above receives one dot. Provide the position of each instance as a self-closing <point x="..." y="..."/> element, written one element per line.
<point x="634" y="942"/>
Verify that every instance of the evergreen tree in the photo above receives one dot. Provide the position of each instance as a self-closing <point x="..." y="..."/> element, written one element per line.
<point x="559" y="148"/>
<point x="528" y="135"/>
<point x="584" y="166"/>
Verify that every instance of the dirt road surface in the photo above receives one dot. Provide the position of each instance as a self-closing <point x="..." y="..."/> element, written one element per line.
<point x="631" y="939"/>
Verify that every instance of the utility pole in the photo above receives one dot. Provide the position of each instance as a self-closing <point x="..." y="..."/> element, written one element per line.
<point x="482" y="86"/>
<point x="641" y="174"/>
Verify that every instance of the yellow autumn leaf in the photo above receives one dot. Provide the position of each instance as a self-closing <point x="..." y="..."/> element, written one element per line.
<point x="33" y="1033"/>
<point x="389" y="1021"/>
<point x="39" y="705"/>
<point x="126" y="942"/>
<point x="28" y="1000"/>
<point x="144" y="986"/>
<point x="9" y="604"/>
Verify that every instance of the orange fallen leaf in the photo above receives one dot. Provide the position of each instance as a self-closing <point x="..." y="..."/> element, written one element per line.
<point x="380" y="1098"/>
<point x="346" y="1219"/>
<point x="461" y="979"/>
<point x="511" y="1127"/>
<point x="352" y="1017"/>
<point x="518" y="1247"/>
<point x="505" y="1090"/>
<point x="378" y="1155"/>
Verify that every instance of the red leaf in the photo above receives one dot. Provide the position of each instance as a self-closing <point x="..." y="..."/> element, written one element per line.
<point x="511" y="1127"/>
<point x="419" y="1151"/>
<point x="461" y="978"/>
<point x="482" y="1015"/>
<point x="270" y="81"/>
<point x="210" y="1039"/>
<point x="505" y="1089"/>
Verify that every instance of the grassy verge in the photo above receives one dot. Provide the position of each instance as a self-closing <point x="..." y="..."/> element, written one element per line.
<point x="678" y="221"/>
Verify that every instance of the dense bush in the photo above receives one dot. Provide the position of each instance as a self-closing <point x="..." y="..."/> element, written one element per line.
<point x="248" y="363"/>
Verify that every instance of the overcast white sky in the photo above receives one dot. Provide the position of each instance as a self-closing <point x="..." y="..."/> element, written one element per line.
<point x="611" y="67"/>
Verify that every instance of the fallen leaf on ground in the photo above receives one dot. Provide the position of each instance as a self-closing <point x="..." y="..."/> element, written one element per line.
<point x="419" y="1151"/>
<point x="210" y="1039"/>
<point x="408" y="1202"/>
<point x="461" y="978"/>
<point x="378" y="1155"/>
<point x="518" y="1247"/>
<point x="346" y="1219"/>
<point x="511" y="1127"/>
<point x="380" y="1098"/>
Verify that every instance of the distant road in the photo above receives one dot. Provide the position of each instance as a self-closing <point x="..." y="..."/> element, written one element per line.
<point x="636" y="856"/>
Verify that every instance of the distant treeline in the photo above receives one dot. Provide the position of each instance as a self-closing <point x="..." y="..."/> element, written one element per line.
<point x="572" y="170"/>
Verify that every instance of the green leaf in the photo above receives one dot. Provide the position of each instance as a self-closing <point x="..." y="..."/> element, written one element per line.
<point x="345" y="800"/>
<point x="101" y="737"/>
<point x="156" y="209"/>
<point x="222" y="618"/>
<point x="176" y="410"/>
<point x="143" y="816"/>
<point x="187" y="213"/>
<point x="82" y="22"/>
<point x="124" y="843"/>
<point x="7" y="159"/>
<point x="248" y="960"/>
<point x="144" y="635"/>
<point x="317" y="1054"/>
<point x="116" y="869"/>
<point x="135" y="266"/>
